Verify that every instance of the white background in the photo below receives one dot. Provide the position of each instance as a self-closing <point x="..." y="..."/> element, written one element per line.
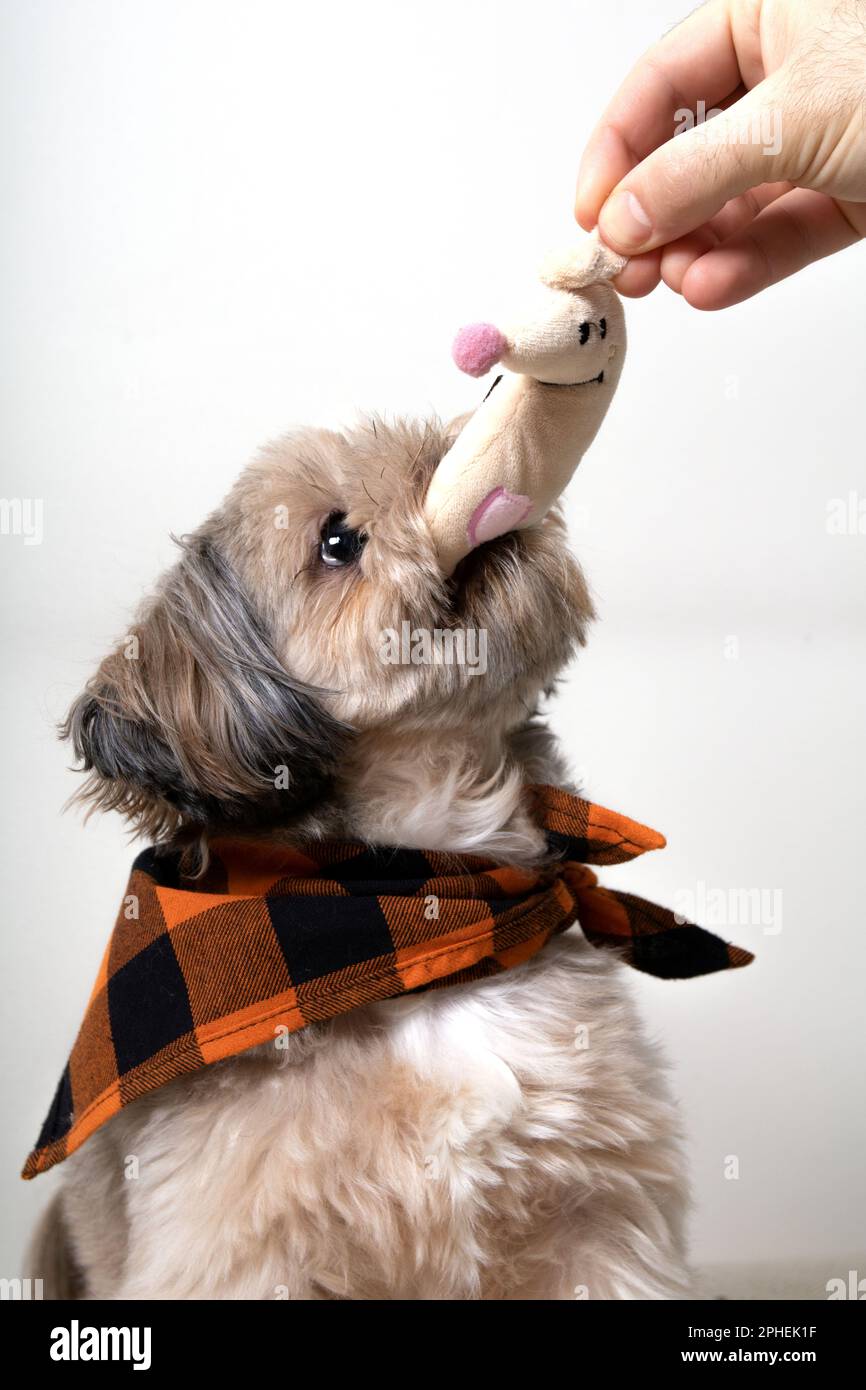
<point x="222" y="219"/>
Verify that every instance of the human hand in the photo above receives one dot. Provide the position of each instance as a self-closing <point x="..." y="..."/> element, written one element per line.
<point x="775" y="181"/>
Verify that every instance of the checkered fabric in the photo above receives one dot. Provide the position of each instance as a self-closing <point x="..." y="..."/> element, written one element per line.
<point x="272" y="939"/>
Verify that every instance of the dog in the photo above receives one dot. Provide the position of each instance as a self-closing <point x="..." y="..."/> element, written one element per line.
<point x="449" y="1144"/>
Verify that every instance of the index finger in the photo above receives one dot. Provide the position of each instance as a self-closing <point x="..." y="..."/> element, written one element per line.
<point x="696" y="61"/>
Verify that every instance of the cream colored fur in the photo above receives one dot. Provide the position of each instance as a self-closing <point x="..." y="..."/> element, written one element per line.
<point x="459" y="1145"/>
<point x="503" y="1140"/>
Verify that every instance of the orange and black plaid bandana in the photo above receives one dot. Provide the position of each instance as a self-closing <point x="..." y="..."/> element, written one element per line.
<point x="272" y="939"/>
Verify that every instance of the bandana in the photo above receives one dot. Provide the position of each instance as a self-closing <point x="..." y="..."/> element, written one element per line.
<point x="271" y="939"/>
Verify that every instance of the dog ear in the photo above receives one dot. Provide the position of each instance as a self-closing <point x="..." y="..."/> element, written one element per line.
<point x="193" y="721"/>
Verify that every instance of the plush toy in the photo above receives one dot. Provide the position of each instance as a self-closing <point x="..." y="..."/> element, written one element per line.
<point x="562" y="355"/>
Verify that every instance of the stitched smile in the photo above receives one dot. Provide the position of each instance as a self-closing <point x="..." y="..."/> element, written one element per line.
<point x="569" y="385"/>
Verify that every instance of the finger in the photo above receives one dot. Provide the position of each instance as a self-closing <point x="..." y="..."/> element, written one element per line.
<point x="791" y="233"/>
<point x="640" y="276"/>
<point x="690" y="179"/>
<point x="606" y="161"/>
<point x="614" y="159"/>
<point x="734" y="217"/>
<point x="740" y="212"/>
<point x="696" y="61"/>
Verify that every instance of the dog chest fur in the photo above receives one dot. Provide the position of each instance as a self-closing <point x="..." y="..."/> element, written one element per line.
<point x="504" y="1140"/>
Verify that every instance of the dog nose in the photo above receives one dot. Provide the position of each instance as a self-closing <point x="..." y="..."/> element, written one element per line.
<point x="478" y="347"/>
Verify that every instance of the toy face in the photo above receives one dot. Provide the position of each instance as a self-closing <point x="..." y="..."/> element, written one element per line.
<point x="567" y="337"/>
<point x="564" y="337"/>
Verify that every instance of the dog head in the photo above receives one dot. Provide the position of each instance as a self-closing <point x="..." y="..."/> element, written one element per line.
<point x="267" y="655"/>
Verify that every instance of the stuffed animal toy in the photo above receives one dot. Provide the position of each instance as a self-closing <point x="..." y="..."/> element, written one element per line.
<point x="563" y="355"/>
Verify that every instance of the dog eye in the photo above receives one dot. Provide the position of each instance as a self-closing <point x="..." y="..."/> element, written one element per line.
<point x="602" y="327"/>
<point x="584" y="333"/>
<point x="340" y="545"/>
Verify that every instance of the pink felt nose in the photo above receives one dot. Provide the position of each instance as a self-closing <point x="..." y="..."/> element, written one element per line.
<point x="478" y="347"/>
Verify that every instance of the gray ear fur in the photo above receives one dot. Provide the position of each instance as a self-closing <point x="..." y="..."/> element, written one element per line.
<point x="203" y="727"/>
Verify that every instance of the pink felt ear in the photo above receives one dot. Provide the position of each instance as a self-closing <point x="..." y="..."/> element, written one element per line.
<point x="500" y="511"/>
<point x="478" y="347"/>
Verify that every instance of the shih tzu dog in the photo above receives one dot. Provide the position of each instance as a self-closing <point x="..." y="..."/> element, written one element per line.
<point x="444" y="1143"/>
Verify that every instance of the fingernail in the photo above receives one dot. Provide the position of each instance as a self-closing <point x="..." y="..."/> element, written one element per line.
<point x="624" y="223"/>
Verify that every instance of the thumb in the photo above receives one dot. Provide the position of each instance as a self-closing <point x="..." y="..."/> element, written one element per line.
<point x="687" y="181"/>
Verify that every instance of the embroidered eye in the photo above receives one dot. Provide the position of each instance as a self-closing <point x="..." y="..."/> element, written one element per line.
<point x="584" y="334"/>
<point x="602" y="327"/>
<point x="339" y="544"/>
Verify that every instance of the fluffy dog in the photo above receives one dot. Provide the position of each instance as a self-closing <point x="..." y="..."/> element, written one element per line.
<point x="453" y="1144"/>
